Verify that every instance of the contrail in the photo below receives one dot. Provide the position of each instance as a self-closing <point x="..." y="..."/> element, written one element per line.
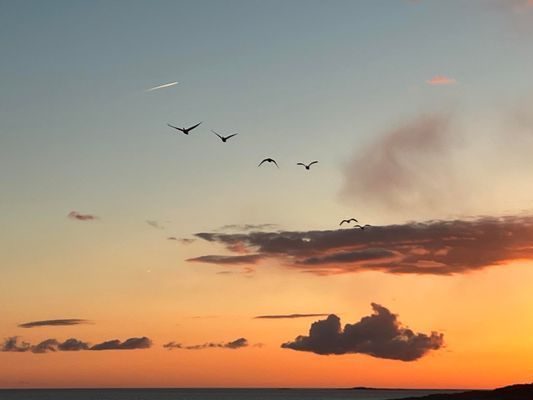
<point x="162" y="86"/>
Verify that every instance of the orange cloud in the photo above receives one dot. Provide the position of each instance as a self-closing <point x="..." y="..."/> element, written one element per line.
<point x="432" y="247"/>
<point x="441" y="80"/>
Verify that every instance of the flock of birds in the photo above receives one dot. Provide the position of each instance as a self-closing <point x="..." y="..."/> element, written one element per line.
<point x="224" y="139"/>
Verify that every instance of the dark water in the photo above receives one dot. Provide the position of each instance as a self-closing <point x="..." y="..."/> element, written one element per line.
<point x="208" y="394"/>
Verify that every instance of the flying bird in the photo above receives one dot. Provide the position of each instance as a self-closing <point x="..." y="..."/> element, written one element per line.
<point x="348" y="221"/>
<point x="362" y="227"/>
<point x="270" y="160"/>
<point x="307" y="166"/>
<point x="185" y="130"/>
<point x="224" y="138"/>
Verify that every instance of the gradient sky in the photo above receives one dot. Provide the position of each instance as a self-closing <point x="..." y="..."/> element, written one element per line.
<point x="353" y="84"/>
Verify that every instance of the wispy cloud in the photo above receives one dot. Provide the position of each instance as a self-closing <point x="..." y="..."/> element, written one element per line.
<point x="441" y="80"/>
<point x="395" y="171"/>
<point x="182" y="240"/>
<point x="173" y="345"/>
<point x="247" y="227"/>
<point x="379" y="335"/>
<point x="53" y="322"/>
<point x="246" y="271"/>
<point x="429" y="164"/>
<point x="155" y="224"/>
<point x="81" y="217"/>
<point x="228" y="260"/>
<point x="432" y="247"/>
<point x="166" y="85"/>
<point x="234" y="344"/>
<point x="289" y="316"/>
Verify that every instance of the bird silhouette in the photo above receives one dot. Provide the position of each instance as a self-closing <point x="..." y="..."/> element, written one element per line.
<point x="185" y="130"/>
<point x="362" y="227"/>
<point x="348" y="221"/>
<point x="224" y="138"/>
<point x="307" y="166"/>
<point x="270" y="160"/>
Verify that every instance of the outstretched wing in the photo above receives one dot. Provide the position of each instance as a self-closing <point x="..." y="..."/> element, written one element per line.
<point x="274" y="161"/>
<point x="314" y="162"/>
<point x="216" y="134"/>
<point x="353" y="219"/>
<point x="230" y="136"/>
<point x="343" y="221"/>
<point x="301" y="163"/>
<point x="192" y="127"/>
<point x="175" y="127"/>
<point x="261" y="163"/>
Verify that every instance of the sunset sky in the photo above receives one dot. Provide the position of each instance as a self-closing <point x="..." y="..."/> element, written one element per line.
<point x="157" y="251"/>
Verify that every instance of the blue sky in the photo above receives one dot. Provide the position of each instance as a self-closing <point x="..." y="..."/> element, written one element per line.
<point x="297" y="80"/>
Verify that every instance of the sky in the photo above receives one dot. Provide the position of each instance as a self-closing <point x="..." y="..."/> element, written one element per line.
<point x="129" y="245"/>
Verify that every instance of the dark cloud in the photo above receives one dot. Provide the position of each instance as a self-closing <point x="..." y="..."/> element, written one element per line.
<point x="379" y="335"/>
<point x="432" y="247"/>
<point x="73" y="345"/>
<point x="46" y="346"/>
<point x="235" y="344"/>
<point x="350" y="256"/>
<point x="52" y="345"/>
<point x="232" y="260"/>
<point x="12" y="344"/>
<point x="53" y="322"/>
<point x="129" y="344"/>
<point x="81" y="217"/>
<point x="289" y="316"/>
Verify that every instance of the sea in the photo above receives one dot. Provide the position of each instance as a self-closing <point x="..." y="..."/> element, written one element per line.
<point x="212" y="394"/>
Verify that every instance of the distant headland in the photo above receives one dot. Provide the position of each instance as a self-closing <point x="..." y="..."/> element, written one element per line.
<point x="513" y="392"/>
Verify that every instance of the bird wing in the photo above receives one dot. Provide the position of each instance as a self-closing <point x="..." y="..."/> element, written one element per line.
<point x="353" y="219"/>
<point x="175" y="127"/>
<point x="192" y="127"/>
<point x="358" y="226"/>
<point x="230" y="136"/>
<point x="274" y="161"/>
<point x="314" y="162"/>
<point x="300" y="163"/>
<point x="261" y="163"/>
<point x="343" y="221"/>
<point x="216" y="134"/>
